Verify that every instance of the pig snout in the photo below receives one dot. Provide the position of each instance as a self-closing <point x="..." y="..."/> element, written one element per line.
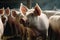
<point x="25" y="22"/>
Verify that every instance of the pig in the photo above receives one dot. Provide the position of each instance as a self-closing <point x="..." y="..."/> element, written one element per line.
<point x="1" y="28"/>
<point x="1" y="23"/>
<point x="5" y="15"/>
<point x="25" y="32"/>
<point x="54" y="26"/>
<point x="54" y="22"/>
<point x="35" y="19"/>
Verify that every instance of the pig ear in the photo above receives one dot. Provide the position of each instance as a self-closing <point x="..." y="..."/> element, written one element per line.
<point x="7" y="11"/>
<point x="2" y="11"/>
<point x="23" y="9"/>
<point x="37" y="10"/>
<point x="14" y="14"/>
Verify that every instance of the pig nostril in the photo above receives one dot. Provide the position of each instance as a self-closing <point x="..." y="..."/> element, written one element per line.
<point x="27" y="22"/>
<point x="22" y="21"/>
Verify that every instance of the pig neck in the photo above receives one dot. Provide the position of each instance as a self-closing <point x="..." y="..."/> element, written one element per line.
<point x="37" y="22"/>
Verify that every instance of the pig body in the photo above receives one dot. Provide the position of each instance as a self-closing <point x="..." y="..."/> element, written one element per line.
<point x="1" y="28"/>
<point x="54" y="27"/>
<point x="55" y="23"/>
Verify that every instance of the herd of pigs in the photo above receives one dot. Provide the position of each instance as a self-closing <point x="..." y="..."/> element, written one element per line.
<point x="28" y="24"/>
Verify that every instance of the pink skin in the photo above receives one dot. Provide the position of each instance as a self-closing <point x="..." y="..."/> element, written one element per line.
<point x="1" y="23"/>
<point x="1" y="28"/>
<point x="36" y="18"/>
<point x="55" y="23"/>
<point x="6" y="14"/>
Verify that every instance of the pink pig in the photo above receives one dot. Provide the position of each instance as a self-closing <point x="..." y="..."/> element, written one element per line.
<point x="36" y="19"/>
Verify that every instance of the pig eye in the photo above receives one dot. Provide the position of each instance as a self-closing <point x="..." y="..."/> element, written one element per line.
<point x="31" y="14"/>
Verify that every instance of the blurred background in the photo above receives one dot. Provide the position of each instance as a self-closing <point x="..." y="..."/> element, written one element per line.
<point x="44" y="4"/>
<point x="52" y="7"/>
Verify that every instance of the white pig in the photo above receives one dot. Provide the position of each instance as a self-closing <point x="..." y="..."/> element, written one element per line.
<point x="55" y="23"/>
<point x="35" y="18"/>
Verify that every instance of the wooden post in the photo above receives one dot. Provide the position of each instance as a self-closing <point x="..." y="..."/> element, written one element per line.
<point x="29" y="3"/>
